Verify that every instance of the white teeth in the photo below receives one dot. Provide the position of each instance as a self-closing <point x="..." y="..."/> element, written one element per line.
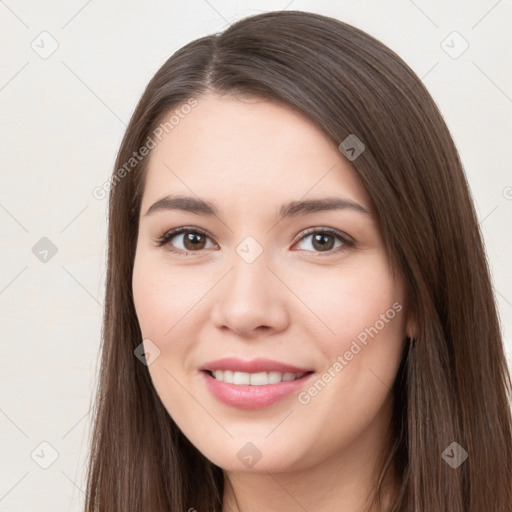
<point x="259" y="379"/>
<point x="241" y="378"/>
<point x="274" y="377"/>
<point x="254" y="379"/>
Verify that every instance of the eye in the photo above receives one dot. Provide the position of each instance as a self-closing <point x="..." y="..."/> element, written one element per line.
<point x="322" y="240"/>
<point x="193" y="240"/>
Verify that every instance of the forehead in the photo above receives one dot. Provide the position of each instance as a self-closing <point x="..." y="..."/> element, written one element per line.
<point x="248" y="151"/>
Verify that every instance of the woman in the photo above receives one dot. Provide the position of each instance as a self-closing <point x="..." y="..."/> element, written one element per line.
<point x="299" y="314"/>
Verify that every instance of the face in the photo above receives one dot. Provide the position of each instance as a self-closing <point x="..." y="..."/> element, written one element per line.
<point x="274" y="328"/>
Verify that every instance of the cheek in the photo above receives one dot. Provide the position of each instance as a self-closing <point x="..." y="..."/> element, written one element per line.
<point x="353" y="298"/>
<point x="363" y="308"/>
<point x="149" y="301"/>
<point x="360" y="337"/>
<point x="163" y="298"/>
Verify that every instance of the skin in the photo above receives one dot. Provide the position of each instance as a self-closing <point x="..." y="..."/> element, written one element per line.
<point x="295" y="303"/>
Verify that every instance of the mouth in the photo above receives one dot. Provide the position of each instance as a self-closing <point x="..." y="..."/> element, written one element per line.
<point x="251" y="391"/>
<point x="253" y="384"/>
<point x="254" y="379"/>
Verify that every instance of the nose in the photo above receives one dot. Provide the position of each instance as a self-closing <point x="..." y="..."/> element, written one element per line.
<point x="251" y="299"/>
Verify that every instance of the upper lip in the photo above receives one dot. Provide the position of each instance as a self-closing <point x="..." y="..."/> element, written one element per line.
<point x="253" y="366"/>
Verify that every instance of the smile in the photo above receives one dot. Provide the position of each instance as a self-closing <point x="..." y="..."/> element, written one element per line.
<point x="251" y="396"/>
<point x="254" y="379"/>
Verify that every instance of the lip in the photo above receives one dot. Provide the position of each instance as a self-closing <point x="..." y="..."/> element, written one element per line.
<point x="253" y="366"/>
<point x="253" y="397"/>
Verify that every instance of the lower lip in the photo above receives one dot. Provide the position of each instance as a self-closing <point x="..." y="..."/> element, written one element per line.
<point x="253" y="397"/>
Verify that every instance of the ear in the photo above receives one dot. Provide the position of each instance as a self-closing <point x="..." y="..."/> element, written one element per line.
<point x="411" y="326"/>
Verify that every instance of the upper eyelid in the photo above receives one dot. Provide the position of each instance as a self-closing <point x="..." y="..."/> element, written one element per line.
<point x="184" y="229"/>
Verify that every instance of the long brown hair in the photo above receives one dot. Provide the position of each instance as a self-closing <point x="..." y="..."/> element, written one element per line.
<point x="453" y="384"/>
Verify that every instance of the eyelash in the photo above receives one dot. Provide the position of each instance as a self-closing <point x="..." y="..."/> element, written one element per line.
<point x="167" y="237"/>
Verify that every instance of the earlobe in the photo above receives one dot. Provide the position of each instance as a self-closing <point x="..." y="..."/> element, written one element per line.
<point x="411" y="327"/>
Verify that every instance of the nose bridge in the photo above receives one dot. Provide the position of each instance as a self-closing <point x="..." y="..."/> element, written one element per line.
<point x="250" y="296"/>
<point x="250" y="274"/>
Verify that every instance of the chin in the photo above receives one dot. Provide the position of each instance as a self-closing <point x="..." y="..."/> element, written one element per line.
<point x="256" y="456"/>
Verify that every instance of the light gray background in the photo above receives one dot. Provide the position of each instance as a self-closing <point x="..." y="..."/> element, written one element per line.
<point x="63" y="117"/>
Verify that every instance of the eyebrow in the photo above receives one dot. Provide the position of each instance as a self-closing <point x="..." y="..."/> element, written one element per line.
<point x="290" y="209"/>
